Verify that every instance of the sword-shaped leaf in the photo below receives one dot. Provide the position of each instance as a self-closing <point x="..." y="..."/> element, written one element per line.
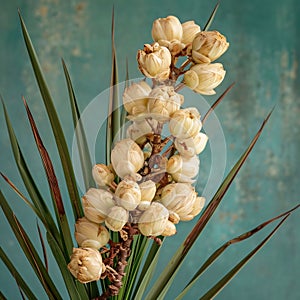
<point x="211" y="18"/>
<point x="229" y="276"/>
<point x="220" y="250"/>
<point x="29" y="250"/>
<point x="53" y="185"/>
<point x="19" y="279"/>
<point x="83" y="150"/>
<point x="55" y="124"/>
<point x="166" y="278"/>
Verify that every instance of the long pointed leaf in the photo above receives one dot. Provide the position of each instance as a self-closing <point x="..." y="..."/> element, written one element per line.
<point x="53" y="184"/>
<point x="217" y="102"/>
<point x="167" y="276"/>
<point x="43" y="246"/>
<point x="75" y="291"/>
<point x="19" y="279"/>
<point x="221" y="249"/>
<point x="229" y="276"/>
<point x="29" y="183"/>
<point x="55" y="124"/>
<point x="211" y="18"/>
<point x="114" y="118"/>
<point x="29" y="250"/>
<point x="85" y="160"/>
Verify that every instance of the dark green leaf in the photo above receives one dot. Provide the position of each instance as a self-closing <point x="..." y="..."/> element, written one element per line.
<point x="43" y="246"/>
<point x="85" y="160"/>
<point x="216" y="103"/>
<point x="229" y="276"/>
<point x="211" y="18"/>
<point x="76" y="291"/>
<point x="19" y="279"/>
<point x="55" y="124"/>
<point x="220" y="250"/>
<point x="29" y="250"/>
<point x="167" y="276"/>
<point x="38" y="201"/>
<point x="53" y="185"/>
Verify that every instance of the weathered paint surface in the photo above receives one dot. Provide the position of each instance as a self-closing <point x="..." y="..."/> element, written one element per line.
<point x="263" y="60"/>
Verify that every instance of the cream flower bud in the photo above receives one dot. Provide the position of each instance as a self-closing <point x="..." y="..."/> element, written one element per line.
<point x="90" y="235"/>
<point x="86" y="264"/>
<point x="138" y="130"/>
<point x="117" y="218"/>
<point x="148" y="190"/>
<point x="154" y="61"/>
<point x="135" y="98"/>
<point x="185" y="123"/>
<point x="198" y="206"/>
<point x="170" y="229"/>
<point x="191" y="146"/>
<point x="191" y="79"/>
<point x="190" y="29"/>
<point x="128" y="194"/>
<point x="208" y="46"/>
<point x="179" y="198"/>
<point x="96" y="204"/>
<point x="154" y="220"/>
<point x="164" y="101"/>
<point x="209" y="76"/>
<point x="102" y="175"/>
<point x="168" y="28"/>
<point x="127" y="158"/>
<point x="183" y="169"/>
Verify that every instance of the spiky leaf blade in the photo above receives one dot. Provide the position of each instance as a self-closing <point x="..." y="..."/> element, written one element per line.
<point x="166" y="278"/>
<point x="55" y="124"/>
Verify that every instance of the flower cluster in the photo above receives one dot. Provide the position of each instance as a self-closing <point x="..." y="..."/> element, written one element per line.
<point x="149" y="184"/>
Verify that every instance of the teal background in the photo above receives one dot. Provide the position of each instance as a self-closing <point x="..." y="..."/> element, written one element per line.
<point x="262" y="59"/>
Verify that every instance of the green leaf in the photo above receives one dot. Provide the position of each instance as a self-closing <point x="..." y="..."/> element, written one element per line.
<point x="19" y="279"/>
<point x="83" y="150"/>
<point x="39" y="203"/>
<point x="53" y="185"/>
<point x="29" y="250"/>
<point x="114" y="118"/>
<point x="76" y="291"/>
<point x="211" y="18"/>
<point x="55" y="124"/>
<point x="229" y="276"/>
<point x="43" y="246"/>
<point x="167" y="276"/>
<point x="217" y="102"/>
<point x="147" y="271"/>
<point x="221" y="249"/>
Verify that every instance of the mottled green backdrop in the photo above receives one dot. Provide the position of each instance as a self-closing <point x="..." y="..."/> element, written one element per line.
<point x="263" y="61"/>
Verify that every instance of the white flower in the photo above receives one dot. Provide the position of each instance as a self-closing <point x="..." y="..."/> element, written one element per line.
<point x="128" y="194"/>
<point x="209" y="77"/>
<point x="96" y="204"/>
<point x="117" y="218"/>
<point x="183" y="169"/>
<point x="191" y="146"/>
<point x="208" y="46"/>
<point x="135" y="98"/>
<point x="90" y="235"/>
<point x="190" y="29"/>
<point x="86" y="264"/>
<point x="138" y="130"/>
<point x="154" y="61"/>
<point x="103" y="175"/>
<point x="179" y="199"/>
<point x="170" y="229"/>
<point x="127" y="158"/>
<point x="154" y="220"/>
<point x="185" y="123"/>
<point x="168" y="29"/>
<point x="164" y="101"/>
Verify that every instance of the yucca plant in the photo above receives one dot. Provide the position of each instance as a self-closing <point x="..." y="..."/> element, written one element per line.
<point x="145" y="186"/>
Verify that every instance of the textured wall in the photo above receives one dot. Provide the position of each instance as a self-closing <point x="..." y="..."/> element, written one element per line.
<point x="263" y="61"/>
